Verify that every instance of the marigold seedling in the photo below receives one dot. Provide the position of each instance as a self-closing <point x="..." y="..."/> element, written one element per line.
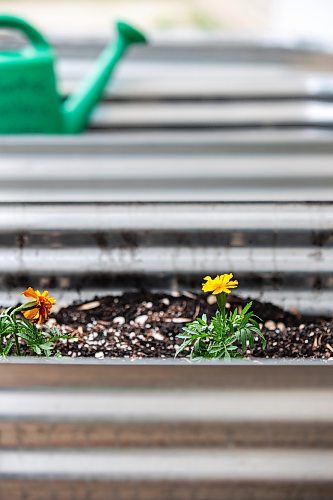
<point x="21" y="323"/>
<point x="228" y="334"/>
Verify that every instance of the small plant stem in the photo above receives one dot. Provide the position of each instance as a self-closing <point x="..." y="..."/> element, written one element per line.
<point x="12" y="317"/>
<point x="221" y="301"/>
<point x="18" y="350"/>
<point x="24" y="307"/>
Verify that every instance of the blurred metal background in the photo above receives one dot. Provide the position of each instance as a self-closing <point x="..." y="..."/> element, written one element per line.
<point x="203" y="157"/>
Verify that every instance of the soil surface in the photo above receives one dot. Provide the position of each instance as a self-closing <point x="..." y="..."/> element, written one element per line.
<point x="141" y="325"/>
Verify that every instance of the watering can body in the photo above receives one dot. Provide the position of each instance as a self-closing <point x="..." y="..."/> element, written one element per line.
<point x="29" y="102"/>
<point x="29" y="99"/>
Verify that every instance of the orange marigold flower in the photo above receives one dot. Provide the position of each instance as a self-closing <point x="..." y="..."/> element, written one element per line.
<point x="221" y="284"/>
<point x="38" y="309"/>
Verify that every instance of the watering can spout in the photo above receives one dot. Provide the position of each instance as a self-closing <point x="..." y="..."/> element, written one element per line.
<point x="78" y="108"/>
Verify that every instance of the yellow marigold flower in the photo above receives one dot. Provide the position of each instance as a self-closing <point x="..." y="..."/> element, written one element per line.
<point x="40" y="306"/>
<point x="221" y="284"/>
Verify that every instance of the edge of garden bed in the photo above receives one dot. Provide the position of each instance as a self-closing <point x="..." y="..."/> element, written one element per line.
<point x="164" y="374"/>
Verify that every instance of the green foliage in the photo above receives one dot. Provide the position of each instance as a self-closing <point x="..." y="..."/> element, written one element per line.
<point x="227" y="335"/>
<point x="13" y="326"/>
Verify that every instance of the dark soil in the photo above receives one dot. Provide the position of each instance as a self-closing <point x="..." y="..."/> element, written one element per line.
<point x="141" y="325"/>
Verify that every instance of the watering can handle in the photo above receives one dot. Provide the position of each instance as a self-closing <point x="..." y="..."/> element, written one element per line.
<point x="36" y="38"/>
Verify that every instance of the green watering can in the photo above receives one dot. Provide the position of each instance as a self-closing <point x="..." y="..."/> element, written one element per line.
<point x="29" y="100"/>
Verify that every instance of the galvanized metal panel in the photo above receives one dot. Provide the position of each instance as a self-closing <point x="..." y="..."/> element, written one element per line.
<point x="172" y="406"/>
<point x="167" y="374"/>
<point x="200" y="142"/>
<point x="195" y="466"/>
<point x="188" y="217"/>
<point x="223" y="115"/>
<point x="166" y="178"/>
<point x="48" y="489"/>
<point x="178" y="259"/>
<point x="158" y="79"/>
<point x="67" y="433"/>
